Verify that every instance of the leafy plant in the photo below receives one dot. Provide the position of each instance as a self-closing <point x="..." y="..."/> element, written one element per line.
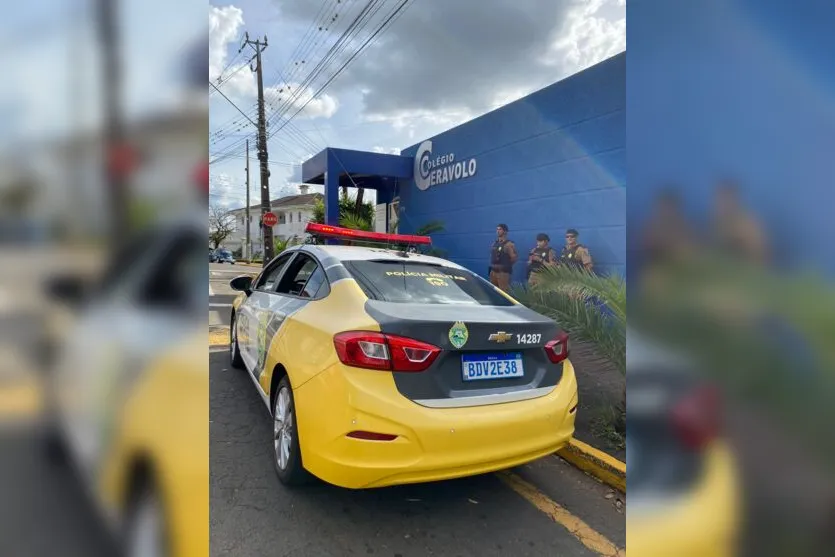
<point x="355" y="222"/>
<point x="430" y="228"/>
<point x="347" y="208"/>
<point x="590" y="308"/>
<point x="280" y="245"/>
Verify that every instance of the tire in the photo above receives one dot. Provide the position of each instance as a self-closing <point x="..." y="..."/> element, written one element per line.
<point x="54" y="446"/>
<point x="145" y="532"/>
<point x="287" y="456"/>
<point x="52" y="439"/>
<point x="234" y="351"/>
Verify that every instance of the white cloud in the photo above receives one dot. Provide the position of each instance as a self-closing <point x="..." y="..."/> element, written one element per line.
<point x="288" y="99"/>
<point x="226" y="191"/>
<point x="386" y="150"/>
<point x="225" y="30"/>
<point x="587" y="36"/>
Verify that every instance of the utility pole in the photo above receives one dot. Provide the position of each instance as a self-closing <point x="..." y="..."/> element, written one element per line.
<point x="116" y="153"/>
<point x="248" y="242"/>
<point x="267" y="231"/>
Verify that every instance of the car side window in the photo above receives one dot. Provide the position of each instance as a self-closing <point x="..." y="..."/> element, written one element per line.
<point x="268" y="279"/>
<point x="314" y="283"/>
<point x="294" y="280"/>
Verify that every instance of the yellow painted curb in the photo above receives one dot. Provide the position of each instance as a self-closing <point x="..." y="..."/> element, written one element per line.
<point x="22" y="400"/>
<point x="219" y="337"/>
<point x="602" y="466"/>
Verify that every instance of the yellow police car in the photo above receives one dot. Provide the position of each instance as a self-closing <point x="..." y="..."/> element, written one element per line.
<point x="127" y="395"/>
<point x="684" y="495"/>
<point x="384" y="366"/>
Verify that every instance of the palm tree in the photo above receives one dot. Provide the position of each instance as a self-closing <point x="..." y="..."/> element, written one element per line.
<point x="279" y="245"/>
<point x="430" y="228"/>
<point x="589" y="307"/>
<point x="355" y="221"/>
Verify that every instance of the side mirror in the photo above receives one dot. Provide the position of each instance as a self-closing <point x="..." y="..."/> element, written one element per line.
<point x="242" y="283"/>
<point x="67" y="288"/>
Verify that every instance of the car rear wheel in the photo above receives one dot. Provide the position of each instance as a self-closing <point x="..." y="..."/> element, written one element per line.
<point x="286" y="452"/>
<point x="234" y="350"/>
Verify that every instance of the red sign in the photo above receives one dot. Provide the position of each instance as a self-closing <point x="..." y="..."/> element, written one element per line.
<point x="270" y="219"/>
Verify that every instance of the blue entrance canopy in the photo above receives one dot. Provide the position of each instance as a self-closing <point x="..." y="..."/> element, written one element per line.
<point x="337" y="168"/>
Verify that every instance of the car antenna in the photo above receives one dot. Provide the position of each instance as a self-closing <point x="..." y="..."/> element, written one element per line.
<point x="404" y="250"/>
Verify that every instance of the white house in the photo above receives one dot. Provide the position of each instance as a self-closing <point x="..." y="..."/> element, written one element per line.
<point x="293" y="212"/>
<point x="69" y="171"/>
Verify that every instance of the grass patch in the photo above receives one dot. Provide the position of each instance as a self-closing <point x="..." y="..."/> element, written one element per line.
<point x="608" y="424"/>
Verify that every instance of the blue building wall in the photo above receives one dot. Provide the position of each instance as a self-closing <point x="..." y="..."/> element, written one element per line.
<point x="738" y="88"/>
<point x="550" y="161"/>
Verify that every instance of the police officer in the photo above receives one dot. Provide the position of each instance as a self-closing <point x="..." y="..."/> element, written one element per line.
<point x="541" y="255"/>
<point x="574" y="254"/>
<point x="502" y="257"/>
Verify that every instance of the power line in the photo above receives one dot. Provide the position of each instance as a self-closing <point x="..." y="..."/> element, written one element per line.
<point x="233" y="104"/>
<point x="392" y="17"/>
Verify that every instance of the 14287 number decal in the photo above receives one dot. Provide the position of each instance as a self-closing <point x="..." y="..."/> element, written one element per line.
<point x="528" y="338"/>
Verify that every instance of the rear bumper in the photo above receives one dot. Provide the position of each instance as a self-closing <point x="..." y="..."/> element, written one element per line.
<point x="433" y="443"/>
<point x="703" y="523"/>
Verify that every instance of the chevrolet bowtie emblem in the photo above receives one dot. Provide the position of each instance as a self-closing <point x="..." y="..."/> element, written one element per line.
<point x="501" y="336"/>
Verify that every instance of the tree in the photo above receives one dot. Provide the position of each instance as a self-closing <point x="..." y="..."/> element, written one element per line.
<point x="221" y="225"/>
<point x="279" y="245"/>
<point x="347" y="212"/>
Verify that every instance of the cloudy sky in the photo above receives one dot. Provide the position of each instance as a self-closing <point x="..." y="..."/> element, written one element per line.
<point x="438" y="64"/>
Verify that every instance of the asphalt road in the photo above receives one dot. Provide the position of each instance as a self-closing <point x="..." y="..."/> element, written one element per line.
<point x="221" y="295"/>
<point x="253" y="514"/>
<point x="43" y="510"/>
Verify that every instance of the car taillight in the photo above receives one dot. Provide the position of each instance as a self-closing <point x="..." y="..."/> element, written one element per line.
<point x="557" y="349"/>
<point x="371" y="350"/>
<point x="696" y="418"/>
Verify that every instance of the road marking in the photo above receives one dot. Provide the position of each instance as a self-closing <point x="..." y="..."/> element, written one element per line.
<point x="587" y="535"/>
<point x="20" y="401"/>
<point x="211" y="292"/>
<point x="220" y="305"/>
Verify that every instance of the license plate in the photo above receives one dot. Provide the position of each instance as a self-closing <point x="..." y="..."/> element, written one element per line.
<point x="476" y="367"/>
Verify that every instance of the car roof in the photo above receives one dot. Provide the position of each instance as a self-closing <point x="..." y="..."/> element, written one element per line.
<point x="358" y="253"/>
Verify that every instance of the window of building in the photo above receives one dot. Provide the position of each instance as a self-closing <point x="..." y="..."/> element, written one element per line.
<point x="291" y="218"/>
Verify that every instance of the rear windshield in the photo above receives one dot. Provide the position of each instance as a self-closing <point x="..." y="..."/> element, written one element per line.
<point x="422" y="283"/>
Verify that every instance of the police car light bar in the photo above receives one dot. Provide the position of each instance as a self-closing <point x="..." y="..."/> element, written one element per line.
<point x="349" y="233"/>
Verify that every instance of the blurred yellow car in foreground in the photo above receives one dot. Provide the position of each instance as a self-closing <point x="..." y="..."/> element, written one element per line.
<point x="683" y="485"/>
<point x="127" y="397"/>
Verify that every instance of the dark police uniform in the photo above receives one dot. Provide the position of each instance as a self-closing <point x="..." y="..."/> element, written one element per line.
<point x="502" y="257"/>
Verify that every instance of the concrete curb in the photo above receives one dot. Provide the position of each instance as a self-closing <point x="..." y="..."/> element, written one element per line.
<point x="595" y="462"/>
